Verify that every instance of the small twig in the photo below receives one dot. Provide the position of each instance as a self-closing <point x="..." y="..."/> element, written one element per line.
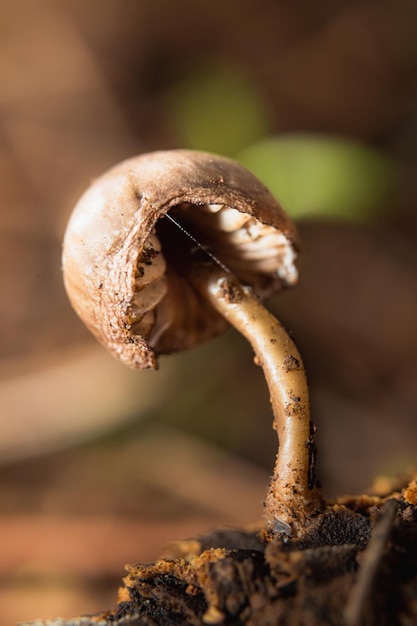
<point x="372" y="557"/>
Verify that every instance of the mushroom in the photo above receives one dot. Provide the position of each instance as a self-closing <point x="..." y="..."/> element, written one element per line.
<point x="167" y="249"/>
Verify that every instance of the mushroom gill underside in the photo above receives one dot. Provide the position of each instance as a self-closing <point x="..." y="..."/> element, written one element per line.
<point x="166" y="310"/>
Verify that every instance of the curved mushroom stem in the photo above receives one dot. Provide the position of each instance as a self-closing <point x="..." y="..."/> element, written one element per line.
<point x="293" y="496"/>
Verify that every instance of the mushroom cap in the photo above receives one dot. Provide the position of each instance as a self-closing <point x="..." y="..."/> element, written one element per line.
<point x="111" y="244"/>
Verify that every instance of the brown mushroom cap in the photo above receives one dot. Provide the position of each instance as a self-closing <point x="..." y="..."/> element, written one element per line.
<point x="106" y="249"/>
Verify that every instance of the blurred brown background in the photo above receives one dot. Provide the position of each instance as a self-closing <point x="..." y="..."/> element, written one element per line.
<point x="102" y="466"/>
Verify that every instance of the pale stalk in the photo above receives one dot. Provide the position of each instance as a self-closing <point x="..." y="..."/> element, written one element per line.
<point x="293" y="497"/>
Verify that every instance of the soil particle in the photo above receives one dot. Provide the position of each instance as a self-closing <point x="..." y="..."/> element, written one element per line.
<point x="291" y="363"/>
<point x="230" y="291"/>
<point x="410" y="494"/>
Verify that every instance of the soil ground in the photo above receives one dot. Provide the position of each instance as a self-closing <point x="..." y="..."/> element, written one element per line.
<point x="357" y="564"/>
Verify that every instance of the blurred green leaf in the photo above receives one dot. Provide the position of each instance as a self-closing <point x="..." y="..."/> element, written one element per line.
<point x="318" y="176"/>
<point x="215" y="108"/>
